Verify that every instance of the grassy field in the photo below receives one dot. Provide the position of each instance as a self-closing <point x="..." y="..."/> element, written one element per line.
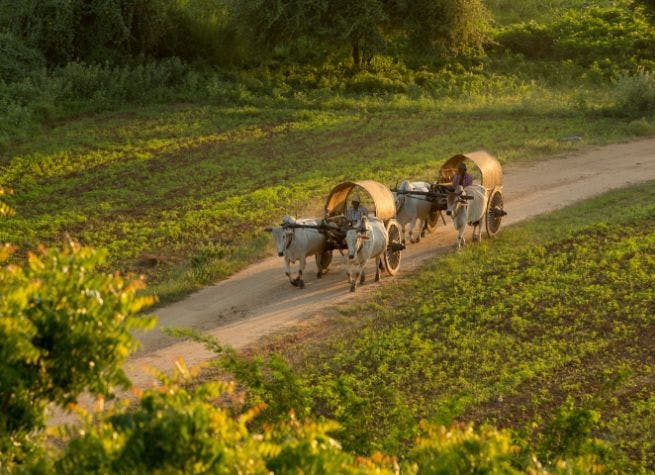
<point x="548" y="330"/>
<point x="180" y="192"/>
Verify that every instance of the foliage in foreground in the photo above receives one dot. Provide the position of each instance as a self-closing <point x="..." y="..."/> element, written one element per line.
<point x="172" y="430"/>
<point x="177" y="430"/>
<point x="64" y="329"/>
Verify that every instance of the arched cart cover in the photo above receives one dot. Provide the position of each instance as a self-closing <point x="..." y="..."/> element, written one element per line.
<point x="492" y="172"/>
<point x="385" y="207"/>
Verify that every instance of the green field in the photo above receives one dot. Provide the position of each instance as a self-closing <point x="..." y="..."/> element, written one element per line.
<point x="175" y="170"/>
<point x="180" y="193"/>
<point x="547" y="330"/>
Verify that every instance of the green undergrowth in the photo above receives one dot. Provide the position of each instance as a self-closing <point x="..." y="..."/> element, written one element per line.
<point x="180" y="193"/>
<point x="508" y="11"/>
<point x="547" y="330"/>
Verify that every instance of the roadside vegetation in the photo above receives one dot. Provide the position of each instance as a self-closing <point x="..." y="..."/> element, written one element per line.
<point x="174" y="162"/>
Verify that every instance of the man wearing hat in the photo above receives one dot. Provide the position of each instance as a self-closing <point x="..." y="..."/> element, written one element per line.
<point x="461" y="178"/>
<point x="356" y="211"/>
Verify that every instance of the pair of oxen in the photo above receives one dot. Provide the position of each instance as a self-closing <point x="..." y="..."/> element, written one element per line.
<point x="298" y="239"/>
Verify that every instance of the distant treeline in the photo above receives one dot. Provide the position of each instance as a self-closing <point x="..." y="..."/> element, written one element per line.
<point x="223" y="32"/>
<point x="61" y="58"/>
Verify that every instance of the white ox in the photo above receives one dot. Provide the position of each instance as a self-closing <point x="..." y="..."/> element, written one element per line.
<point x="297" y="243"/>
<point x="412" y="210"/>
<point x="369" y="241"/>
<point x="467" y="211"/>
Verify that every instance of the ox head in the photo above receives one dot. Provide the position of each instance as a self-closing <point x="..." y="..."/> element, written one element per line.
<point x="355" y="237"/>
<point x="283" y="234"/>
<point x="455" y="202"/>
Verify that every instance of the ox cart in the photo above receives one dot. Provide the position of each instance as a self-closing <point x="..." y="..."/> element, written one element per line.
<point x="334" y="225"/>
<point x="384" y="209"/>
<point x="491" y="178"/>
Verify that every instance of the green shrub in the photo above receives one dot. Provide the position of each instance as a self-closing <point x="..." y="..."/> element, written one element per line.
<point x="64" y="329"/>
<point x="367" y="82"/>
<point x="16" y="59"/>
<point x="610" y="38"/>
<point x="150" y="81"/>
<point x="532" y="39"/>
<point x="173" y="430"/>
<point x="177" y="430"/>
<point x="461" y="449"/>
<point x="635" y="94"/>
<point x="641" y="127"/>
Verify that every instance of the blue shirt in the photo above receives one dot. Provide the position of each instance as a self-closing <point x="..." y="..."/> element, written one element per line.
<point x="355" y="215"/>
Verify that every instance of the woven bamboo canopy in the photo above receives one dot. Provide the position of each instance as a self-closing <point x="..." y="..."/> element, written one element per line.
<point x="492" y="172"/>
<point x="337" y="201"/>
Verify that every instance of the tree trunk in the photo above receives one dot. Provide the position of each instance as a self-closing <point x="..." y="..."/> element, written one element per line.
<point x="356" y="56"/>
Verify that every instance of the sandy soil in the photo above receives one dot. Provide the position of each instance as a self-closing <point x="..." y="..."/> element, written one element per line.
<point x="259" y="301"/>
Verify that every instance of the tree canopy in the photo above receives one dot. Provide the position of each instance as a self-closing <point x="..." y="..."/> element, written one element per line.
<point x="226" y="31"/>
<point x="365" y="26"/>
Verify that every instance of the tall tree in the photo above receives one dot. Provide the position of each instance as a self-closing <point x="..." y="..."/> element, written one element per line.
<point x="365" y="25"/>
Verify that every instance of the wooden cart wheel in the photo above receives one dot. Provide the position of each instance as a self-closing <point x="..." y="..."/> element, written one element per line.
<point x="495" y="213"/>
<point x="394" y="248"/>
<point x="323" y="260"/>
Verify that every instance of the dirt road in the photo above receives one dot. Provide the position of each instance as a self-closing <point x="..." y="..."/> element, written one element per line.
<point x="259" y="301"/>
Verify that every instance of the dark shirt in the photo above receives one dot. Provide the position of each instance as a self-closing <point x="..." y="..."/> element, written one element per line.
<point x="466" y="181"/>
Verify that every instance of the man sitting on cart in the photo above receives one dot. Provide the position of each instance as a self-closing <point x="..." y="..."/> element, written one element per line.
<point x="461" y="179"/>
<point x="356" y="211"/>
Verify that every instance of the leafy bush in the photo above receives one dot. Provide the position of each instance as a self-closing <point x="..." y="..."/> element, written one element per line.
<point x="461" y="449"/>
<point x="64" y="329"/>
<point x="569" y="433"/>
<point x="177" y="430"/>
<point x="174" y="430"/>
<point x="635" y="94"/>
<point x="366" y="82"/>
<point x="531" y="39"/>
<point x="611" y="38"/>
<point x="151" y="81"/>
<point x="17" y="60"/>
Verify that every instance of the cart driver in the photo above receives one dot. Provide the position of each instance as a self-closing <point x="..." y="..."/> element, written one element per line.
<point x="356" y="211"/>
<point x="462" y="178"/>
